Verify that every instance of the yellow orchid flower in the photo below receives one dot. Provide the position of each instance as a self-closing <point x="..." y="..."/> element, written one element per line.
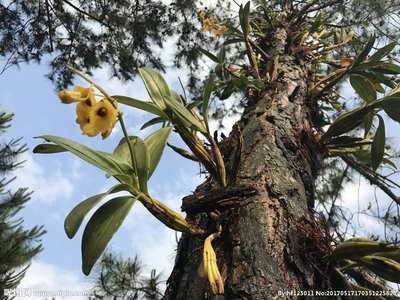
<point x="208" y="25"/>
<point x="78" y="94"/>
<point x="99" y="118"/>
<point x="212" y="24"/>
<point x="220" y="30"/>
<point x="93" y="116"/>
<point x="202" y="14"/>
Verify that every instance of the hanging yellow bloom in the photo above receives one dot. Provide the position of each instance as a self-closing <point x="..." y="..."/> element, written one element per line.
<point x="202" y="14"/>
<point x="210" y="266"/>
<point x="220" y="30"/>
<point x="208" y="25"/>
<point x="93" y="117"/>
<point x="78" y="94"/>
<point x="100" y="118"/>
<point x="211" y="24"/>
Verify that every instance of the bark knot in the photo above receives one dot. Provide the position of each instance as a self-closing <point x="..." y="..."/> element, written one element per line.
<point x="219" y="200"/>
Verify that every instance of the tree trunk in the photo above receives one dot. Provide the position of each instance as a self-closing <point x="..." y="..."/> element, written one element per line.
<point x="270" y="240"/>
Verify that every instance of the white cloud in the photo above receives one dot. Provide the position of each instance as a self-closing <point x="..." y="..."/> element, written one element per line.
<point x="228" y="121"/>
<point x="44" y="280"/>
<point x="48" y="186"/>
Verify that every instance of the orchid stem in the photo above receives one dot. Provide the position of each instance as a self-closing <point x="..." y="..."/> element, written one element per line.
<point x="114" y="103"/>
<point x="133" y="158"/>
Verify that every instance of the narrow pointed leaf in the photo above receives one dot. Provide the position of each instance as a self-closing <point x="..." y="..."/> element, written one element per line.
<point x="244" y="18"/>
<point x="48" y="149"/>
<point x="384" y="267"/>
<point x="156" y="86"/>
<point x="101" y="228"/>
<point x="100" y="159"/>
<point x="183" y="152"/>
<point x="394" y="255"/>
<point x="391" y="106"/>
<point x="363" y="87"/>
<point x="368" y="118"/>
<point x="74" y="219"/>
<point x="176" y="97"/>
<point x="142" y="105"/>
<point x="186" y="116"/>
<point x="367" y="49"/>
<point x="228" y="90"/>
<point x="382" y="52"/>
<point x="378" y="144"/>
<point x="142" y="159"/>
<point x="233" y="41"/>
<point x="152" y="122"/>
<point x="208" y="88"/>
<point x="155" y="143"/>
<point x="388" y="162"/>
<point x="197" y="103"/>
<point x="122" y="152"/>
<point x="385" y="80"/>
<point x="209" y="55"/>
<point x="350" y="120"/>
<point x="387" y="68"/>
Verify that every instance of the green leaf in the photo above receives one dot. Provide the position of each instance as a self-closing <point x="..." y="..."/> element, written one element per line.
<point x="368" y="118"/>
<point x="152" y="122"/>
<point x="387" y="68"/>
<point x="142" y="159"/>
<point x="363" y="87"/>
<point x="391" y="106"/>
<point x="350" y="120"/>
<point x="382" y="52"/>
<point x="208" y="88"/>
<point x="374" y="80"/>
<point x="356" y="248"/>
<point x="228" y="90"/>
<point x="244" y="18"/>
<point x="367" y="49"/>
<point x="209" y="55"/>
<point x="75" y="217"/>
<point x="183" y="152"/>
<point x="378" y="145"/>
<point x="122" y="153"/>
<point x="378" y="87"/>
<point x="363" y="156"/>
<point x="185" y="116"/>
<point x="142" y="105"/>
<point x="102" y="160"/>
<point x="48" y="149"/>
<point x="385" y="80"/>
<point x="387" y="161"/>
<point x="197" y="103"/>
<point x="156" y="86"/>
<point x="394" y="255"/>
<point x="101" y="228"/>
<point x="175" y="96"/>
<point x="386" y="268"/>
<point x="155" y="143"/>
<point x="233" y="41"/>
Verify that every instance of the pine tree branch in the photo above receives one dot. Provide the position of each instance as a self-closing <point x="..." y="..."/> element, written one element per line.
<point x="85" y="13"/>
<point x="371" y="177"/>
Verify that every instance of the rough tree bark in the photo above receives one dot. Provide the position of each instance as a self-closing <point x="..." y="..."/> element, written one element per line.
<point x="270" y="241"/>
